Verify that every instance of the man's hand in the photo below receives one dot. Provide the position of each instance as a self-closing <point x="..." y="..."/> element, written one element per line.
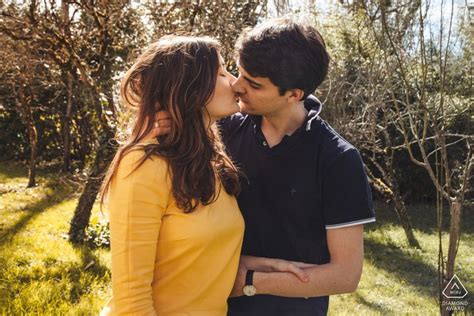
<point x="162" y="125"/>
<point x="267" y="265"/>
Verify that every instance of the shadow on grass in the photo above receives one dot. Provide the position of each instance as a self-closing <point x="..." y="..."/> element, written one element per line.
<point x="407" y="267"/>
<point x="75" y="278"/>
<point x="10" y="170"/>
<point x="91" y="265"/>
<point x="32" y="210"/>
<point x="19" y="169"/>
<point x="373" y="306"/>
<point x="422" y="218"/>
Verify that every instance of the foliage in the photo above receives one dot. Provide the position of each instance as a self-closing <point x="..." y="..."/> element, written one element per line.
<point x="367" y="97"/>
<point x="92" y="43"/>
<point x="222" y="22"/>
<point x="98" y="235"/>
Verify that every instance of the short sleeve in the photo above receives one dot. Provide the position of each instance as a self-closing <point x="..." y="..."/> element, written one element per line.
<point x="230" y="124"/>
<point x="137" y="202"/>
<point x="346" y="194"/>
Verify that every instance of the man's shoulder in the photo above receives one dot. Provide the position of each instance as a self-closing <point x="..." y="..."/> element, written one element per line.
<point x="328" y="138"/>
<point x="230" y="124"/>
<point x="236" y="117"/>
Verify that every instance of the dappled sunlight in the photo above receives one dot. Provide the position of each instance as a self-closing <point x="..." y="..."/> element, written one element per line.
<point x="45" y="273"/>
<point x="40" y="269"/>
<point x="398" y="278"/>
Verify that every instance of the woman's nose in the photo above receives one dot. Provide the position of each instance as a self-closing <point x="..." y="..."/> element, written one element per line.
<point x="232" y="78"/>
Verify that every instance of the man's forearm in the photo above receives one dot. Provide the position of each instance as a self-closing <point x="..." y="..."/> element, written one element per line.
<point x="340" y="275"/>
<point x="326" y="279"/>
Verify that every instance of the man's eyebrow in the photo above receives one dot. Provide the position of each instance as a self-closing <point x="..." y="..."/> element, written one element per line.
<point x="251" y="81"/>
<point x="247" y="78"/>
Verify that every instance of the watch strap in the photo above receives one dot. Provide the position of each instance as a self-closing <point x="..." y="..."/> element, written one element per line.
<point x="249" y="277"/>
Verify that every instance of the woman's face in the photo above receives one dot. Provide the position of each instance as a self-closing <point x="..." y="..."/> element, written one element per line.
<point x="224" y="102"/>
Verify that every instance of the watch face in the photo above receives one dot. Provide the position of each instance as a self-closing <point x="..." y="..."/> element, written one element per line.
<point x="249" y="290"/>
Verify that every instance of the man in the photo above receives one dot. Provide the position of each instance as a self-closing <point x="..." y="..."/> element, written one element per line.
<point x="305" y="197"/>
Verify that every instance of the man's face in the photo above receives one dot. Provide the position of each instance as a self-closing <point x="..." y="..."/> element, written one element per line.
<point x="258" y="95"/>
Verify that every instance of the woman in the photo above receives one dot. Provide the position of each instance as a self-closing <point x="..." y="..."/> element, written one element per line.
<point x="176" y="230"/>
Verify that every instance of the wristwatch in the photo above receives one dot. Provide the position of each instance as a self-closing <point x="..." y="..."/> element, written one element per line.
<point x="249" y="289"/>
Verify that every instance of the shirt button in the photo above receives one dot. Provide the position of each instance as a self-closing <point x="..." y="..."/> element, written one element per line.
<point x="264" y="143"/>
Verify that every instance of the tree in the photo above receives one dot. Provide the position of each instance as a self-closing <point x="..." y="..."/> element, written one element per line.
<point x="116" y="32"/>
<point x="90" y="42"/>
<point x="199" y="18"/>
<point x="31" y="84"/>
<point x="424" y="107"/>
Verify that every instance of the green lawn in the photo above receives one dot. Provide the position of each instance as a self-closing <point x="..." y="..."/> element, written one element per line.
<point x="42" y="273"/>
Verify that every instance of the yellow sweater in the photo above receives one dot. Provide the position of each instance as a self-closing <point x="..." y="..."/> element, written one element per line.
<point x="166" y="262"/>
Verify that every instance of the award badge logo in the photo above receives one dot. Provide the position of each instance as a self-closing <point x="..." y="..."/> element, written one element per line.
<point x="455" y="292"/>
<point x="455" y="289"/>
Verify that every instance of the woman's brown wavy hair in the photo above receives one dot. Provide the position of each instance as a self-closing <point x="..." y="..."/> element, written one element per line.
<point x="178" y="74"/>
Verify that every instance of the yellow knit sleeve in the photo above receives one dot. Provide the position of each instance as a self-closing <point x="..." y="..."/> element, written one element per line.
<point x="137" y="202"/>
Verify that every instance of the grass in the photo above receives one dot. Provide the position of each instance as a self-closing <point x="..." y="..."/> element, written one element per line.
<point x="402" y="280"/>
<point x="41" y="273"/>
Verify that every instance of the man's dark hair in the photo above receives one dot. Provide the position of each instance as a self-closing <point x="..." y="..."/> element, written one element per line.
<point x="291" y="54"/>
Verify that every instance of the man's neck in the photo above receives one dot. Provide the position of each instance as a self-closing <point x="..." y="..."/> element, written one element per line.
<point x="284" y="122"/>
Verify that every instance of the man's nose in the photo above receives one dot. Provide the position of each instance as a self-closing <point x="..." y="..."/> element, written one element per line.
<point x="237" y="86"/>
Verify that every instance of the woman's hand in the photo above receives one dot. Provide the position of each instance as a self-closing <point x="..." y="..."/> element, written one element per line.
<point x="276" y="265"/>
<point x="267" y="265"/>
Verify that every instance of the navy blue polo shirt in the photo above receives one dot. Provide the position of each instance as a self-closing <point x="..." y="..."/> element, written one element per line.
<point x="311" y="181"/>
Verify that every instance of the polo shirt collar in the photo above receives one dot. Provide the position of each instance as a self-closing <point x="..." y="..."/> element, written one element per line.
<point x="314" y="107"/>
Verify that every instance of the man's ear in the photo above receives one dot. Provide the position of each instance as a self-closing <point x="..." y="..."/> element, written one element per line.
<point x="295" y="95"/>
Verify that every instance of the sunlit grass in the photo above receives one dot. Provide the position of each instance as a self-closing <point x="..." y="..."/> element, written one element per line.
<point x="402" y="280"/>
<point x="41" y="273"/>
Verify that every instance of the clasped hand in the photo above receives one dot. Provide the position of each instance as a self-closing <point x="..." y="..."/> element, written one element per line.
<point x="260" y="264"/>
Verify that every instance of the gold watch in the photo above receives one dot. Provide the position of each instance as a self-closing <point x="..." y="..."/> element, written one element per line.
<point x="249" y="289"/>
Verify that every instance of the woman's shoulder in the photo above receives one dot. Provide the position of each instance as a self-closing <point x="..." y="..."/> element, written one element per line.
<point x="136" y="160"/>
<point x="139" y="178"/>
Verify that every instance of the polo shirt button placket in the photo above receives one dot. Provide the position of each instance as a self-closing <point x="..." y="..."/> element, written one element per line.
<point x="265" y="143"/>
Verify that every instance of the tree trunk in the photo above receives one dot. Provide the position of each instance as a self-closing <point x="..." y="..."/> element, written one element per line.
<point x="82" y="214"/>
<point x="455" y="208"/>
<point x="69" y="78"/>
<point x="402" y="213"/>
<point x="33" y="135"/>
<point x="26" y="114"/>
<point x="393" y="194"/>
<point x="400" y="207"/>
<point x="454" y="236"/>
<point x="87" y="139"/>
<point x="67" y="126"/>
